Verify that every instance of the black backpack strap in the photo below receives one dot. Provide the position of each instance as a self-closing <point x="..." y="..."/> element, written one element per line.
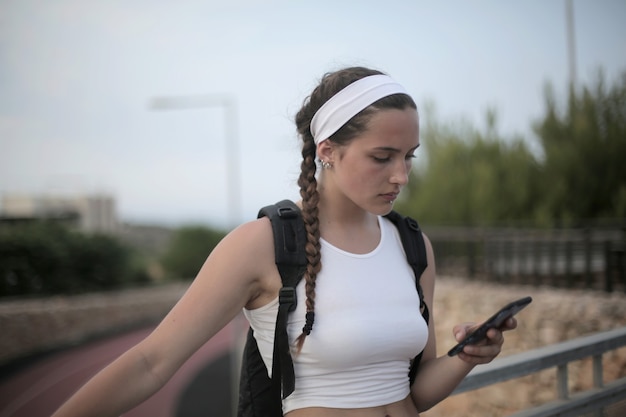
<point x="290" y="257"/>
<point x="415" y="249"/>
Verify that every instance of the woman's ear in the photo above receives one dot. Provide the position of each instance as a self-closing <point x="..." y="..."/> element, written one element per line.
<point x="325" y="151"/>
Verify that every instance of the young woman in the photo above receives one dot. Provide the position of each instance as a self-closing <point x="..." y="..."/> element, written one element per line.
<point x="360" y="326"/>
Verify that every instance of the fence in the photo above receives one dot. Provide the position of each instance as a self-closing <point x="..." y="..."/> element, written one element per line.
<point x="596" y="401"/>
<point x="583" y="258"/>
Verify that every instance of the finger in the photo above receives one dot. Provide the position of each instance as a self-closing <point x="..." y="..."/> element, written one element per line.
<point x="495" y="336"/>
<point x="511" y="323"/>
<point x="481" y="354"/>
<point x="461" y="330"/>
<point x="478" y="355"/>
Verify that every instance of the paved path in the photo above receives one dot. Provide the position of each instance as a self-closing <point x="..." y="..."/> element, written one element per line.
<point x="37" y="389"/>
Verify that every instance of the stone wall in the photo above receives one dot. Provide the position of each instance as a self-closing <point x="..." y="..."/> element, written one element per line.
<point x="555" y="315"/>
<point x="32" y="326"/>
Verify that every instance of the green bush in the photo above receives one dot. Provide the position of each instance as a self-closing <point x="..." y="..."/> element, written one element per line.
<point x="45" y="258"/>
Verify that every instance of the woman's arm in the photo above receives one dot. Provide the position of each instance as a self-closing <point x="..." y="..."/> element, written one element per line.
<point x="438" y="377"/>
<point x="238" y="272"/>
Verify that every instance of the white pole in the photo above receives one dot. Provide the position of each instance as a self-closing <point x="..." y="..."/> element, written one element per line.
<point x="571" y="41"/>
<point x="229" y="105"/>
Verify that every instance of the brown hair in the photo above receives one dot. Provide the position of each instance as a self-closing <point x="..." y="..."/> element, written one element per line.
<point x="330" y="84"/>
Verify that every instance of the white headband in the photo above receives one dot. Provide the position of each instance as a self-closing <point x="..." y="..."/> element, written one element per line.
<point x="348" y="102"/>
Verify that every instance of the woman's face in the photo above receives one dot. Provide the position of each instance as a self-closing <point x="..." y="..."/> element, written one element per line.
<point x="372" y="169"/>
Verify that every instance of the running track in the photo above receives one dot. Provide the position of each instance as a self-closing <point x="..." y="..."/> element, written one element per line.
<point x="36" y="390"/>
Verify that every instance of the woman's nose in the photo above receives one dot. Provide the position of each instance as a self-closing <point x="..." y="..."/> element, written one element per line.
<point x="401" y="173"/>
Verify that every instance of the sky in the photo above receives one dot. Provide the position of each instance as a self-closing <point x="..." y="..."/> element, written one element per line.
<point x="78" y="79"/>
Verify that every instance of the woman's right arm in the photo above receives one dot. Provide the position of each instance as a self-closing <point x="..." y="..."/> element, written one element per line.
<point x="240" y="271"/>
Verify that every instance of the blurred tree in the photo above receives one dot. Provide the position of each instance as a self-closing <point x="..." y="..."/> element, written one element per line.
<point x="188" y="250"/>
<point x="100" y="260"/>
<point x="470" y="177"/>
<point x="47" y="258"/>
<point x="584" y="176"/>
<point x="33" y="259"/>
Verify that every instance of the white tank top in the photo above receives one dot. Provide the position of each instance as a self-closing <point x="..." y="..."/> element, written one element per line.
<point x="368" y="328"/>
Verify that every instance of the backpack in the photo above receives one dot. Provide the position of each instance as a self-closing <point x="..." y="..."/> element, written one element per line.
<point x="260" y="395"/>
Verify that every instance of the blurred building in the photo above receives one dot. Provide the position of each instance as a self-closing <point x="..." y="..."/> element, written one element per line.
<point x="88" y="213"/>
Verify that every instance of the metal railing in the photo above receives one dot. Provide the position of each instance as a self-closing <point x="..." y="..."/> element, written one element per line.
<point x="577" y="258"/>
<point x="558" y="356"/>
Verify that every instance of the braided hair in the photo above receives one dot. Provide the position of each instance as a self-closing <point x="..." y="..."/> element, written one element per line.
<point x="330" y="84"/>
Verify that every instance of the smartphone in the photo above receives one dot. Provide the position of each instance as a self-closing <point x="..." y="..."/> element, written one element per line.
<point x="496" y="321"/>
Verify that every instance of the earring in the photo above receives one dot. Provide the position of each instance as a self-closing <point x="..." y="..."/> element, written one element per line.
<point x="326" y="165"/>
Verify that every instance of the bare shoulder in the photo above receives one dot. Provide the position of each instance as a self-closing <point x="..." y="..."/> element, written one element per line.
<point x="249" y="251"/>
<point x="428" y="277"/>
<point x="250" y="233"/>
<point x="250" y="245"/>
<point x="429" y="247"/>
<point x="237" y="272"/>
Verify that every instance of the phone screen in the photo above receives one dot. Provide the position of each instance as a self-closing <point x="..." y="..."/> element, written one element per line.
<point x="496" y="321"/>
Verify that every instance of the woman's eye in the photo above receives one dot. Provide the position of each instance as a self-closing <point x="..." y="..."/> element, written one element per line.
<point x="410" y="156"/>
<point x="381" y="160"/>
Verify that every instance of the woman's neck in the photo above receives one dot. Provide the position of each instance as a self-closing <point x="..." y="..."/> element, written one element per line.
<point x="349" y="227"/>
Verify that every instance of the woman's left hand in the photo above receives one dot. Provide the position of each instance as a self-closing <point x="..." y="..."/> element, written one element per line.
<point x="486" y="350"/>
